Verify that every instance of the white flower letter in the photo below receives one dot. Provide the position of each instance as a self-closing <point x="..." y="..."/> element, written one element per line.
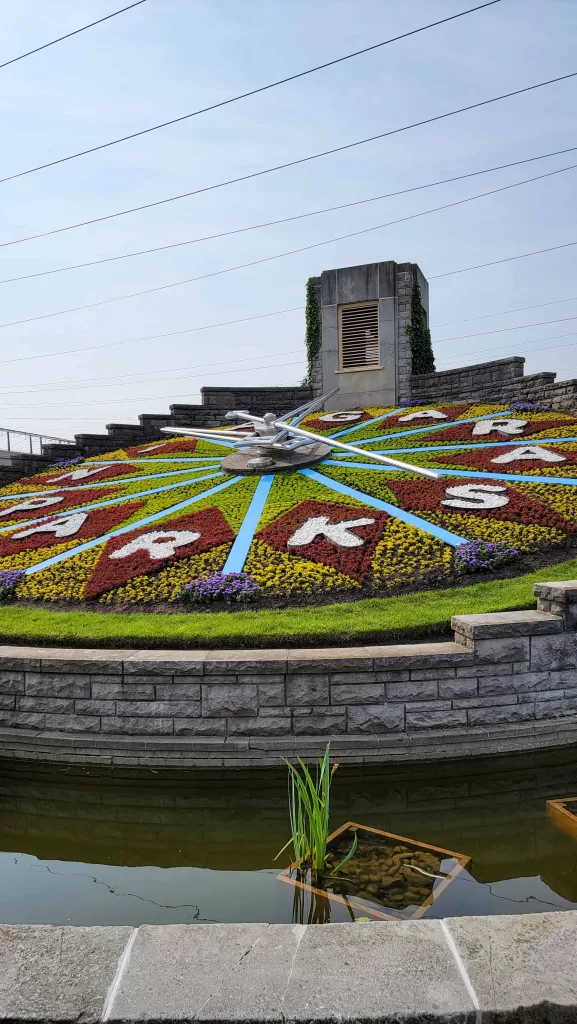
<point x="346" y="416"/>
<point x="424" y="414"/>
<point x="67" y="526"/>
<point x="476" y="496"/>
<point x="529" y="451"/>
<point x="158" y="544"/>
<point x="338" y="533"/>
<point x="33" y="503"/>
<point x="80" y="474"/>
<point x="503" y="426"/>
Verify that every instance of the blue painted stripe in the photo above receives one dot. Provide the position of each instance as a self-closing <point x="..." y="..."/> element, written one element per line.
<point x="56" y="559"/>
<point x="367" y="423"/>
<point x="384" y="506"/>
<point x="240" y="549"/>
<point x="465" y="447"/>
<point x="512" y="477"/>
<point x="431" y="426"/>
<point x="103" y="504"/>
<point x="104" y="483"/>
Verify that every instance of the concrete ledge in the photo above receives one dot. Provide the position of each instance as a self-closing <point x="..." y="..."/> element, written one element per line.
<point x="501" y="624"/>
<point x="498" y="969"/>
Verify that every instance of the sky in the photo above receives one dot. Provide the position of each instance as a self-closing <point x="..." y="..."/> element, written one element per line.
<point x="167" y="58"/>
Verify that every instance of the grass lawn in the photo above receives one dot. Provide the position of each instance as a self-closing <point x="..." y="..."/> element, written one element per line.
<point x="410" y="617"/>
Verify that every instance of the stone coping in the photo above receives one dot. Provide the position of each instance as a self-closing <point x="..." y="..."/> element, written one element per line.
<point x="470" y="969"/>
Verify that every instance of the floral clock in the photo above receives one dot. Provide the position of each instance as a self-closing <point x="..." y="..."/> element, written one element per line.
<point x="139" y="524"/>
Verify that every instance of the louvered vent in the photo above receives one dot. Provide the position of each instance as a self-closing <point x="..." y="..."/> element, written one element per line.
<point x="359" y="335"/>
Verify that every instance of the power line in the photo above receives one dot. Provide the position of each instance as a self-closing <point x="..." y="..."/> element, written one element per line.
<point x="42" y="389"/>
<point x="290" y="252"/>
<point x="530" y="345"/>
<point x="149" y="337"/>
<point x="502" y="312"/>
<point x="280" y="167"/>
<point x="508" y="259"/>
<point x="271" y="223"/>
<point x="69" y="34"/>
<point x="501" y="330"/>
<point x="154" y="398"/>
<point x="252" y="92"/>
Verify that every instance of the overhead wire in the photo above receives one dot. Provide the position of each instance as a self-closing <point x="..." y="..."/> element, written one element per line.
<point x="280" y="167"/>
<point x="508" y="259"/>
<point x="530" y="346"/>
<point x="251" y="92"/>
<point x="69" y="35"/>
<point x="270" y="223"/>
<point x="290" y="252"/>
<point x="501" y="330"/>
<point x="503" y="312"/>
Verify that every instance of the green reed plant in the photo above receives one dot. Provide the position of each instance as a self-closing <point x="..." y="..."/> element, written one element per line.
<point x="309" y="799"/>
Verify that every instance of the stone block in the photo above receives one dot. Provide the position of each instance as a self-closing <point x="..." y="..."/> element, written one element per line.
<point x="57" y="974"/>
<point x="556" y="708"/>
<point x="165" y="663"/>
<point x="507" y="649"/>
<point x="223" y="700"/>
<point x="332" y="659"/>
<point x="200" y="726"/>
<point x="554" y="652"/>
<point x="177" y="691"/>
<point x="450" y="688"/>
<point x="7" y="702"/>
<point x="259" y="726"/>
<point x="357" y="693"/>
<point x="399" y="675"/>
<point x="495" y="715"/>
<point x="376" y="718"/>
<point x="319" y="725"/>
<point x="499" y="700"/>
<point x="488" y="670"/>
<point x="47" y="685"/>
<point x="425" y="705"/>
<point x="122" y="691"/>
<point x="138" y="726"/>
<point x="46" y="705"/>
<point x="72" y="723"/>
<point x="537" y="695"/>
<point x="158" y="709"/>
<point x="11" y="682"/>
<point x="352" y="678"/>
<point x="492" y="625"/>
<point x="435" y="719"/>
<point x="524" y="682"/>
<point x="318" y="709"/>
<point x="274" y="711"/>
<point x="307" y="689"/>
<point x="95" y="707"/>
<point x="517" y="962"/>
<point x="409" y="656"/>
<point x="235" y="663"/>
<point x="271" y="694"/>
<point x="21" y="720"/>
<point x="433" y="673"/>
<point x="563" y="592"/>
<point x="413" y="690"/>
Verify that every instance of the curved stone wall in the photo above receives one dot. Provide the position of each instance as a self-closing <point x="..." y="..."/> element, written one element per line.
<point x="508" y="682"/>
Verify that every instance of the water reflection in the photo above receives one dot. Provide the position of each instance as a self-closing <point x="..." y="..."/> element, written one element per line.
<point x="107" y="847"/>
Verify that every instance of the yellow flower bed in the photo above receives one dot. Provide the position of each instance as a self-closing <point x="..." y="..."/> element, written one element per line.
<point x="406" y="554"/>
<point x="62" y="582"/>
<point x="284" y="574"/>
<point x="166" y="584"/>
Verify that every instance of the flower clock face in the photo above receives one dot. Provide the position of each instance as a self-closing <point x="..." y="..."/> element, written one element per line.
<point x="136" y="525"/>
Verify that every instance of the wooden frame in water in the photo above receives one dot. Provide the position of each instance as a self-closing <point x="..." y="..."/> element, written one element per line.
<point x="387" y="871"/>
<point x="564" y="814"/>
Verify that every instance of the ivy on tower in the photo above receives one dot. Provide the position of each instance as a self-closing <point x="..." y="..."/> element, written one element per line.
<point x="419" y="335"/>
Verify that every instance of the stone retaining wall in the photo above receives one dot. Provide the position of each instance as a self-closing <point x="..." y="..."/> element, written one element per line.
<point x="508" y="682"/>
<point x="501" y="380"/>
<point x="503" y="970"/>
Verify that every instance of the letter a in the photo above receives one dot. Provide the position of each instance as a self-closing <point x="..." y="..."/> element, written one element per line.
<point x="529" y="452"/>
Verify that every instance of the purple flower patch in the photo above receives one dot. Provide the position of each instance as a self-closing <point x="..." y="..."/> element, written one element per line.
<point x="529" y="405"/>
<point x="480" y="555"/>
<point x="65" y="463"/>
<point x="9" y="580"/>
<point x="229" y="587"/>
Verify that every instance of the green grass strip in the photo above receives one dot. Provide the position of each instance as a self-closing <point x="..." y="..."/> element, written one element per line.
<point x="402" y="619"/>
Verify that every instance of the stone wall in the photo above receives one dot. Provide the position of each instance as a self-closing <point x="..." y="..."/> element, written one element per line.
<point x="14" y="465"/>
<point x="508" y="682"/>
<point x="501" y="380"/>
<point x="504" y="970"/>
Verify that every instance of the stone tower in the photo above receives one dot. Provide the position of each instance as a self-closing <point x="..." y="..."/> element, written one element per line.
<point x="365" y="351"/>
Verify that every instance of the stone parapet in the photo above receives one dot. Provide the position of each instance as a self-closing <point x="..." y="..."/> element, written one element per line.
<point x="499" y="969"/>
<point x="509" y="677"/>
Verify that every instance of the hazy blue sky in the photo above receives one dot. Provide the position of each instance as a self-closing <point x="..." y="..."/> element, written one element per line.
<point x="169" y="57"/>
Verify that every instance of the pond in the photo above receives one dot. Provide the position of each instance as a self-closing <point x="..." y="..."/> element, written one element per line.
<point x="101" y="847"/>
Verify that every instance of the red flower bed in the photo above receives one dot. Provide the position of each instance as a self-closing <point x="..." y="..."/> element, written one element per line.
<point x="81" y="474"/>
<point x="47" y="504"/>
<point x="124" y="557"/>
<point x="398" y="421"/>
<point x="160" y="448"/>
<point x="483" y="460"/>
<point x="88" y="525"/>
<point x="320" y="424"/>
<point x="414" y="497"/>
<point x="465" y="433"/>
<point x="354" y="561"/>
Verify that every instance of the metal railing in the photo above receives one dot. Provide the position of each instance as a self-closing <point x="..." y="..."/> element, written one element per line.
<point x="21" y="441"/>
